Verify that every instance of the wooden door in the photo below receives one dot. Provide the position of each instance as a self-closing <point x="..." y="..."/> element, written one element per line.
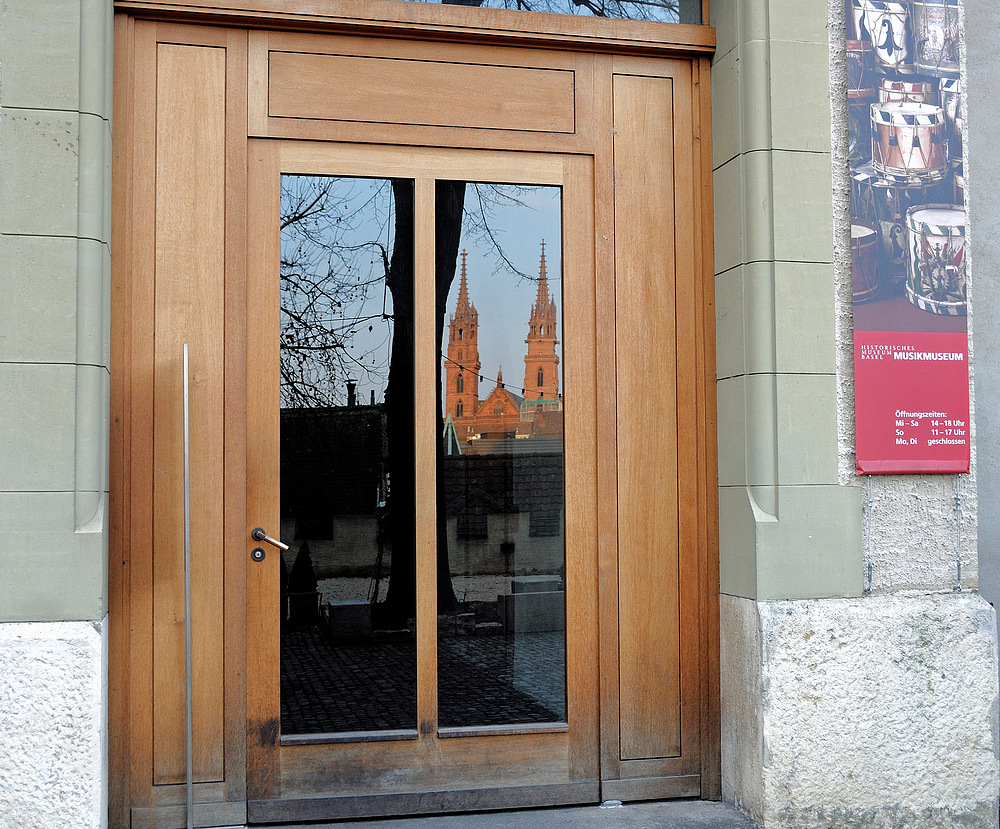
<point x="208" y="119"/>
<point x="429" y="763"/>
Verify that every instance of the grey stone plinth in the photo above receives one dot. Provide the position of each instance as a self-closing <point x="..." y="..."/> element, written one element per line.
<point x="860" y="713"/>
<point x="53" y="749"/>
<point x="535" y="584"/>
<point x="533" y="612"/>
<point x="348" y="619"/>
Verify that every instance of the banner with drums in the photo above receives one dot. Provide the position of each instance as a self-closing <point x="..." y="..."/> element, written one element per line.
<point x="911" y="347"/>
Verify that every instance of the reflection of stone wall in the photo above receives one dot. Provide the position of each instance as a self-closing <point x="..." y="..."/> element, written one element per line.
<point x="351" y="551"/>
<point x="488" y="555"/>
<point x="505" y="513"/>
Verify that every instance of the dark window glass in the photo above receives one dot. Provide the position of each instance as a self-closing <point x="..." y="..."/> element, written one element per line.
<point x="502" y="645"/>
<point x="348" y="652"/>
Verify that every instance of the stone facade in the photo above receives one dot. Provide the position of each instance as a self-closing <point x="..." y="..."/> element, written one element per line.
<point x="858" y="664"/>
<point x="53" y="740"/>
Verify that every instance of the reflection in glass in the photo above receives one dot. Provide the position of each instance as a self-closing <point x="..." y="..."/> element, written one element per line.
<point x="666" y="11"/>
<point x="502" y="653"/>
<point x="348" y="656"/>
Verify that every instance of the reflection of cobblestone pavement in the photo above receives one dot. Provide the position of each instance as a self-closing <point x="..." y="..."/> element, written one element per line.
<point x="485" y="680"/>
<point x="496" y="680"/>
<point x="326" y="689"/>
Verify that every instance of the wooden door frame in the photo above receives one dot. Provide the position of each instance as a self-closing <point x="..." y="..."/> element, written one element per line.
<point x="598" y="49"/>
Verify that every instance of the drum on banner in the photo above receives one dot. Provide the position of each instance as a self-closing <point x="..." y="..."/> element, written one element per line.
<point x="885" y="203"/>
<point x="908" y="142"/>
<point x="864" y="260"/>
<point x="888" y="27"/>
<point x="950" y="92"/>
<point x="892" y="91"/>
<point x="934" y="24"/>
<point x="937" y="280"/>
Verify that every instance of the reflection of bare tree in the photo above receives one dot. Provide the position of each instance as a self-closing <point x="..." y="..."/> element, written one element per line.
<point x="334" y="258"/>
<point x="665" y="10"/>
<point x="449" y="205"/>
<point x="338" y="240"/>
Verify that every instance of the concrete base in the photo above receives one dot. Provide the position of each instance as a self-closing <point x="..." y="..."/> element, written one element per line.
<point x="873" y="712"/>
<point x="53" y="740"/>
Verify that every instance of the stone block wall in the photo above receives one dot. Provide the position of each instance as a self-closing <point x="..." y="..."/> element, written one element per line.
<point x="55" y="229"/>
<point x="859" y="664"/>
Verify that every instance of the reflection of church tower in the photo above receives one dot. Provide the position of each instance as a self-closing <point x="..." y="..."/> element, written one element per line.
<point x="541" y="364"/>
<point x="462" y="366"/>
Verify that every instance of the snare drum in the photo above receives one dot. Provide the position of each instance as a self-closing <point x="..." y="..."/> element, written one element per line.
<point x="951" y="103"/>
<point x="891" y="91"/>
<point x="864" y="268"/>
<point x="885" y="203"/>
<point x="862" y="195"/>
<point x="936" y="279"/>
<point x="859" y="133"/>
<point x="860" y="27"/>
<point x="888" y="27"/>
<point x="908" y="142"/>
<point x="860" y="79"/>
<point x="935" y="35"/>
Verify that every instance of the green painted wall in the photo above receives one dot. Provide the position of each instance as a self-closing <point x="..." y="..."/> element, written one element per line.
<point x="55" y="223"/>
<point x="787" y="529"/>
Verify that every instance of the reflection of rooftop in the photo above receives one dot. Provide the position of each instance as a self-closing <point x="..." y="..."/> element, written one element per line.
<point x="514" y="446"/>
<point x="331" y="463"/>
<point x="514" y="482"/>
<point x="529" y="408"/>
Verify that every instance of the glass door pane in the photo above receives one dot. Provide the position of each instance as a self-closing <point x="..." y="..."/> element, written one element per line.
<point x="348" y="648"/>
<point x="502" y="634"/>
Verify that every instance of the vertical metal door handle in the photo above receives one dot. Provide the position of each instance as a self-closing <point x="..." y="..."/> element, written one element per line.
<point x="258" y="534"/>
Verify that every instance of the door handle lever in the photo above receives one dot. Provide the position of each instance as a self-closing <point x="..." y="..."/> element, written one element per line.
<point x="258" y="534"/>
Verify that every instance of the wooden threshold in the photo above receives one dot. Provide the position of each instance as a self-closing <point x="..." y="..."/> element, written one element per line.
<point x="418" y="803"/>
<point x="652" y="788"/>
<point x="349" y="737"/>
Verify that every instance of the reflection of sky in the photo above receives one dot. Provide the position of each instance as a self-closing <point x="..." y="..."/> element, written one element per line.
<point x="339" y="285"/>
<point x="502" y="298"/>
<point x="352" y="302"/>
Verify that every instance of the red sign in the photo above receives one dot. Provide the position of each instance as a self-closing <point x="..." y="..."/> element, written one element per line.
<point x="908" y="230"/>
<point x="911" y="401"/>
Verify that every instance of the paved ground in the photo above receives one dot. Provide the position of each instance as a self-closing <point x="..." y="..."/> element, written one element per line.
<point x="682" y="814"/>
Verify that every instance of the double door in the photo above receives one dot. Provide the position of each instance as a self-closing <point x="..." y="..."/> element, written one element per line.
<point x="450" y="342"/>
